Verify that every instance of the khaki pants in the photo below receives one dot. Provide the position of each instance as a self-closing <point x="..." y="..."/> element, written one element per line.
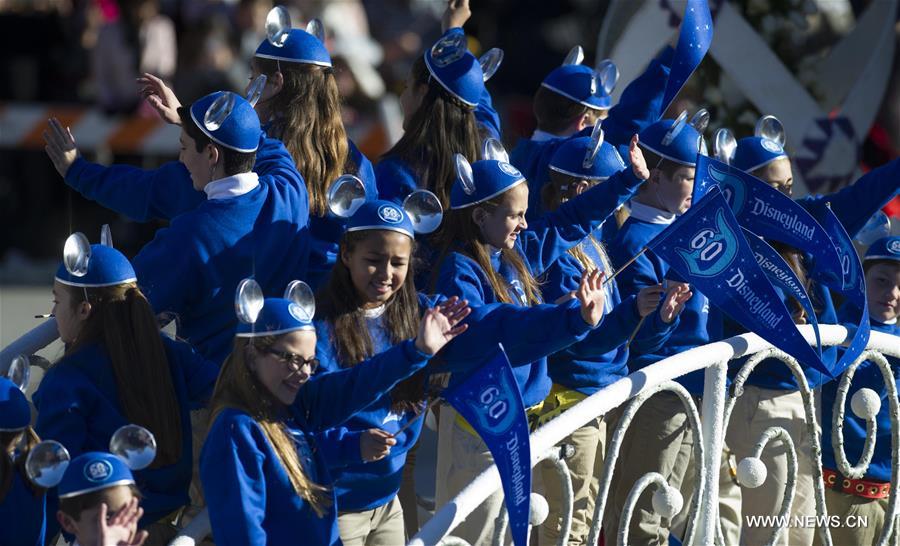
<point x="729" y="501"/>
<point x="659" y="439"/>
<point x="585" y="467"/>
<point x="382" y="526"/>
<point x="755" y="411"/>
<point x="851" y="508"/>
<point x="461" y="457"/>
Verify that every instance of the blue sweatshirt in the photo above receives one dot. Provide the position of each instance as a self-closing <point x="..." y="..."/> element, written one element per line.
<point x="868" y="375"/>
<point x="78" y="406"/>
<point x="192" y="268"/>
<point x="601" y="358"/>
<point x="327" y="230"/>
<point x="689" y="329"/>
<point x="396" y="178"/>
<point x="22" y="515"/>
<point x="249" y="494"/>
<point x="852" y="206"/>
<point x="639" y="107"/>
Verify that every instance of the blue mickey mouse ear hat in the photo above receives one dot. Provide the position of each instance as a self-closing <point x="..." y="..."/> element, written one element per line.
<point x="293" y="45"/>
<point x="582" y="84"/>
<point x="764" y="147"/>
<point x="886" y="248"/>
<point x="131" y="448"/>
<point x="588" y="158"/>
<point x="15" y="412"/>
<point x="228" y="119"/>
<point x="458" y="71"/>
<point x="93" y="266"/>
<point x="677" y="140"/>
<point x="483" y="180"/>
<point x="260" y="317"/>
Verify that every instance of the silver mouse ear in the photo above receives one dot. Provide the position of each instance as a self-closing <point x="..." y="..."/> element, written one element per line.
<point x="135" y="445"/>
<point x="490" y="62"/>
<point x="676" y="128"/>
<point x="448" y="50"/>
<point x="464" y="173"/>
<point x="19" y="372"/>
<point x="77" y="254"/>
<point x="106" y="236"/>
<point x="724" y="145"/>
<point x="300" y="293"/>
<point x="219" y="111"/>
<point x="346" y="195"/>
<point x="46" y="463"/>
<point x="770" y="128"/>
<point x="248" y="301"/>
<point x="278" y="26"/>
<point x="424" y="211"/>
<point x="575" y="56"/>
<point x="608" y="75"/>
<point x="594" y="146"/>
<point x="878" y="227"/>
<point x="493" y="149"/>
<point x="700" y="120"/>
<point x="255" y="89"/>
<point x="317" y="29"/>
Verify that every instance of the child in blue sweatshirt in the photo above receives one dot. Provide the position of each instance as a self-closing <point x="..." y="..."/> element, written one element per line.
<point x="569" y="101"/>
<point x="22" y="502"/>
<point x="771" y="394"/>
<point x="251" y="222"/>
<point x="265" y="479"/>
<point x="600" y="359"/>
<point x="867" y="496"/>
<point x="119" y="369"/>
<point x="659" y="438"/>
<point x="489" y="254"/>
<point x="443" y="103"/>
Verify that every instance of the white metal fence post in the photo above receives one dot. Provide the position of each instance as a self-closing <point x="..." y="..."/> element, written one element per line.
<point x="714" y="437"/>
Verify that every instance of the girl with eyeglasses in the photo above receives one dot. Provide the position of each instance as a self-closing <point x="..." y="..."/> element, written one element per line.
<point x="264" y="473"/>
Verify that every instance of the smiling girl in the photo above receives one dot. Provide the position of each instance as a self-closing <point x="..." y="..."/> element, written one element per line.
<point x="264" y="478"/>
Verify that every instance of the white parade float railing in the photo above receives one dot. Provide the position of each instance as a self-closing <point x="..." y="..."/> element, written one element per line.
<point x="632" y="391"/>
<point x="703" y="525"/>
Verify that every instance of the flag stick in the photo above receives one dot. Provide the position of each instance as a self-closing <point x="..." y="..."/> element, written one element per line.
<point x="629" y="262"/>
<point x="409" y="423"/>
<point x="635" y="331"/>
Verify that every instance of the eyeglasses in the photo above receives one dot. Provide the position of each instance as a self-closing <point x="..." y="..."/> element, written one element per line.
<point x="294" y="362"/>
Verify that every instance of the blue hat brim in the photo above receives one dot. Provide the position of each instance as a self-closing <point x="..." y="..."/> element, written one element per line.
<point x="595" y="102"/>
<point x="206" y="132"/>
<point x="489" y="197"/>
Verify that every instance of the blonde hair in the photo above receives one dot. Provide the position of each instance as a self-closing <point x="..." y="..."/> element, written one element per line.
<point x="552" y="197"/>
<point x="238" y="388"/>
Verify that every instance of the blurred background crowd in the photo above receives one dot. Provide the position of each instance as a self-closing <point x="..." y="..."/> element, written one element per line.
<point x="84" y="55"/>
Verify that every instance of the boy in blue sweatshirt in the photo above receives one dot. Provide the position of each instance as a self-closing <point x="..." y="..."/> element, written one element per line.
<point x="660" y="438"/>
<point x="867" y="496"/>
<point x="251" y="223"/>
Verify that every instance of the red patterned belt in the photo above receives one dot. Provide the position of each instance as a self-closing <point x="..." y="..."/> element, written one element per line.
<point x="868" y="489"/>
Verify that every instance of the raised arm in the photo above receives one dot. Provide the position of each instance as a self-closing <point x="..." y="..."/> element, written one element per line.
<point x="556" y="232"/>
<point x="641" y="101"/>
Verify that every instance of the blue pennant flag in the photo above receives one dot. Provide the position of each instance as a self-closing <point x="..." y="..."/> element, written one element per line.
<point x="770" y="214"/>
<point x="782" y="276"/>
<point x="852" y="284"/>
<point x="489" y="400"/>
<point x="693" y="42"/>
<point x="707" y="248"/>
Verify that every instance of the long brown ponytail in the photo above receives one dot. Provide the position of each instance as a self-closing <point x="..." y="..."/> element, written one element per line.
<point x="8" y="441"/>
<point x="122" y="320"/>
<point x="306" y="116"/>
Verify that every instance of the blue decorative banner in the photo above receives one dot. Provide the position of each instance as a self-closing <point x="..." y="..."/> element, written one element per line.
<point x="707" y="247"/>
<point x="693" y="42"/>
<point x="782" y="276"/>
<point x="770" y="214"/>
<point x="853" y="283"/>
<point x="489" y="400"/>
